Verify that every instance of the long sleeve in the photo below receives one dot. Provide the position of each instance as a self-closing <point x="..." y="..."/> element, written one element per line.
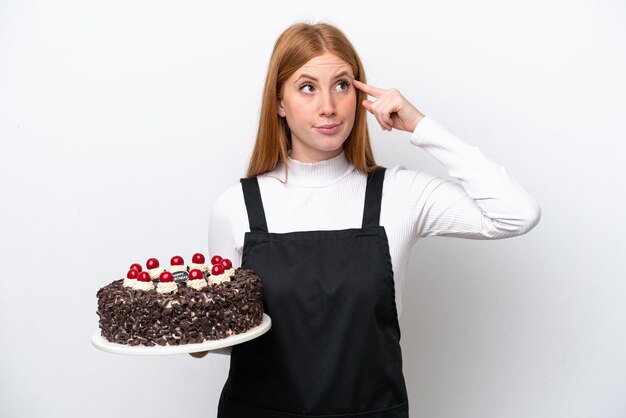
<point x="223" y="227"/>
<point x="485" y="203"/>
<point x="221" y="238"/>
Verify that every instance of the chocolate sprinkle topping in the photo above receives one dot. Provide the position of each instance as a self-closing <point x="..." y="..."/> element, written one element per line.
<point x="138" y="317"/>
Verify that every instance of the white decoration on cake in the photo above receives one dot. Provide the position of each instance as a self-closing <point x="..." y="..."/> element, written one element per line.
<point x="144" y="285"/>
<point x="205" y="268"/>
<point x="155" y="272"/>
<point x="174" y="269"/>
<point x="167" y="287"/>
<point x="197" y="284"/>
<point x="220" y="278"/>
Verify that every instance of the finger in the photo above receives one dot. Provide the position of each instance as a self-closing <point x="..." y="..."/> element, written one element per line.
<point x="379" y="109"/>
<point x="380" y="117"/>
<point x="367" y="104"/>
<point x="366" y="88"/>
<point x="386" y="118"/>
<point x="199" y="354"/>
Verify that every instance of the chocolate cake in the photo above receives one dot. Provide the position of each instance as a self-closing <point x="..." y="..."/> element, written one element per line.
<point x="184" y="315"/>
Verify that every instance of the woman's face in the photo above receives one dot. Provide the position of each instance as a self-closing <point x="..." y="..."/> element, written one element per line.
<point x="319" y="103"/>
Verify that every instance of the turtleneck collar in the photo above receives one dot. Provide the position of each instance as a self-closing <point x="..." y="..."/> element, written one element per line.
<point x="318" y="174"/>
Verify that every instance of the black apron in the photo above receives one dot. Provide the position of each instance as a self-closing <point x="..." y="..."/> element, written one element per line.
<point x="334" y="345"/>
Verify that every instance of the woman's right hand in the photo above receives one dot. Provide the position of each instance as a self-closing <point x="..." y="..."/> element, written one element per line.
<point x="391" y="108"/>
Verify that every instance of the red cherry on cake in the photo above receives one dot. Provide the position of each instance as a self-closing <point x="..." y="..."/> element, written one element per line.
<point x="177" y="261"/>
<point x="195" y="274"/>
<point x="136" y="266"/>
<point x="217" y="269"/>
<point x="226" y="263"/>
<point x="216" y="259"/>
<point x="132" y="274"/>
<point x="143" y="276"/>
<point x="198" y="258"/>
<point x="152" y="263"/>
<point x="166" y="277"/>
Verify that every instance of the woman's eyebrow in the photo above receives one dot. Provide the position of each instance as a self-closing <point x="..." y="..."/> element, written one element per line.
<point x="341" y="74"/>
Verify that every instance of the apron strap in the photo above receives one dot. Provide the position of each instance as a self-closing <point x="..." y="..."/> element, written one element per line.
<point x="373" y="196"/>
<point x="254" y="205"/>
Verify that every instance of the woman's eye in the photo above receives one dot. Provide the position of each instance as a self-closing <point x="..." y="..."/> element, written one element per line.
<point x="343" y="85"/>
<point x="306" y="88"/>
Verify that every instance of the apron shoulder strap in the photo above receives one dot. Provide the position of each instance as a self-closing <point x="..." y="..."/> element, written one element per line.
<point x="373" y="196"/>
<point x="254" y="204"/>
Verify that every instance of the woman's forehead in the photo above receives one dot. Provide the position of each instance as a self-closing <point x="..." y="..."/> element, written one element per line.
<point x="327" y="65"/>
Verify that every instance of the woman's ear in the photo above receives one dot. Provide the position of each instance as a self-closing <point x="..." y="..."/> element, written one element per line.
<point x="280" y="109"/>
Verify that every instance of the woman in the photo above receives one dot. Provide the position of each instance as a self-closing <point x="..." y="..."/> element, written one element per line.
<point x="330" y="232"/>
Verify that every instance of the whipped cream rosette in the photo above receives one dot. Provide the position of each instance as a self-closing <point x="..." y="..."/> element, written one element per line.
<point x="153" y="268"/>
<point x="166" y="283"/>
<point x="144" y="282"/>
<point x="177" y="264"/>
<point x="196" y="280"/>
<point x="199" y="262"/>
<point x="131" y="278"/>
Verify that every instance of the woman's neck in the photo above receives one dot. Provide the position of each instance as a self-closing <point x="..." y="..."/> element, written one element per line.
<point x="317" y="174"/>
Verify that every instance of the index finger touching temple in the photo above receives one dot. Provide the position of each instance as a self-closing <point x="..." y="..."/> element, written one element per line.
<point x="372" y="91"/>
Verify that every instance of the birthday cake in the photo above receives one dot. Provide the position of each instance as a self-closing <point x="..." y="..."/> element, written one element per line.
<point x="183" y="304"/>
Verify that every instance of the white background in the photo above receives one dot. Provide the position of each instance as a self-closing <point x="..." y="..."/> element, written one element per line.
<point x="121" y="121"/>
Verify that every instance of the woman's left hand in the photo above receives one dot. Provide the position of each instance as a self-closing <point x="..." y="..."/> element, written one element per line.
<point x="391" y="109"/>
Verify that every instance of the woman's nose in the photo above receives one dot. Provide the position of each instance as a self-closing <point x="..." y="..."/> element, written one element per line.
<point x="327" y="105"/>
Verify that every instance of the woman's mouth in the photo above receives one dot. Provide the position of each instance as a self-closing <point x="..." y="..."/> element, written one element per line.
<point x="330" y="129"/>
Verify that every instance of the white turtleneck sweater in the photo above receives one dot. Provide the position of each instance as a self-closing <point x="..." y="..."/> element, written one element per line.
<point x="485" y="203"/>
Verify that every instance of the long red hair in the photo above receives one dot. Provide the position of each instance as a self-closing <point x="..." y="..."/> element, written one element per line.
<point x="294" y="48"/>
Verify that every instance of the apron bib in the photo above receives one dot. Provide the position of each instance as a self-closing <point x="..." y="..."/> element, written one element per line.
<point x="334" y="346"/>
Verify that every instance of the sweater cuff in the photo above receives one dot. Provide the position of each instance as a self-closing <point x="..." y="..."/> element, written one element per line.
<point x="428" y="132"/>
<point x="418" y="135"/>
